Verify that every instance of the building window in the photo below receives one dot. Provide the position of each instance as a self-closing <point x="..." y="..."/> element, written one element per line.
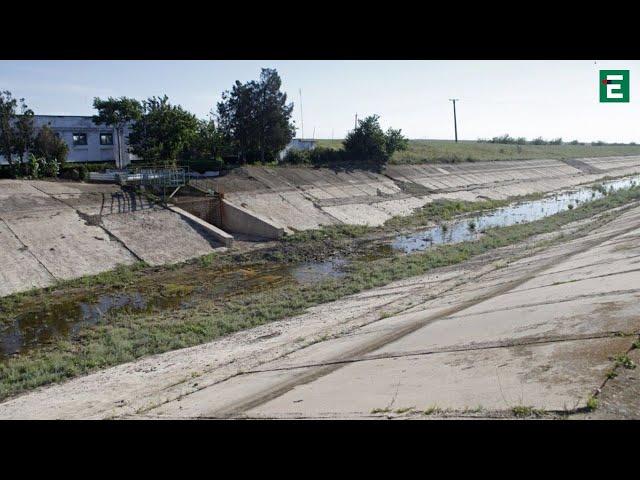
<point x="79" y="139"/>
<point x="106" y="139"/>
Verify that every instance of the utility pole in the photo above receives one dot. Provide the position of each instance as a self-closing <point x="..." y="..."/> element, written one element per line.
<point x="356" y="124"/>
<point x="455" y="123"/>
<point x="301" y="117"/>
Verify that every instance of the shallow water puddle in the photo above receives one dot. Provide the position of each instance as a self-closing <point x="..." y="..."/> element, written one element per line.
<point x="65" y="319"/>
<point x="311" y="272"/>
<point x="522" y="212"/>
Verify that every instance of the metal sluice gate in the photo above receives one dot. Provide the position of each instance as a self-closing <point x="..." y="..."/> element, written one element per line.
<point x="161" y="180"/>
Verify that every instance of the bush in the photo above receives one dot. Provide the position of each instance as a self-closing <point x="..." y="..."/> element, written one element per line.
<point x="203" y="165"/>
<point x="83" y="173"/>
<point x="368" y="143"/>
<point x="50" y="167"/>
<point x="32" y="166"/>
<point x="48" y="145"/>
<point x="296" y="157"/>
<point x="327" y="156"/>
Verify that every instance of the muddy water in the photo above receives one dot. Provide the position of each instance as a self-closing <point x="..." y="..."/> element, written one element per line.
<point x="42" y="326"/>
<point x="522" y="212"/>
<point x="65" y="319"/>
<point x="312" y="272"/>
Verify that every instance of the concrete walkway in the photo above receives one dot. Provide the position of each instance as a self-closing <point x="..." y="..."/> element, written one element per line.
<point x="522" y="326"/>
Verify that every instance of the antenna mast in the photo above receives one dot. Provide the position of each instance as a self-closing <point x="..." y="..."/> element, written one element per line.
<point x="301" y="117"/>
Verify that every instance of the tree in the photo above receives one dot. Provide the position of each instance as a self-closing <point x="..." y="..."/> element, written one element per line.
<point x="50" y="146"/>
<point x="256" y="117"/>
<point x="163" y="131"/>
<point x="369" y="143"/>
<point x="208" y="144"/>
<point x="16" y="128"/>
<point x="8" y="106"/>
<point x="23" y="131"/>
<point x="117" y="112"/>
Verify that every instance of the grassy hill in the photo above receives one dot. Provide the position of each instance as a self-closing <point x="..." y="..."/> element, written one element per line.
<point x="447" y="151"/>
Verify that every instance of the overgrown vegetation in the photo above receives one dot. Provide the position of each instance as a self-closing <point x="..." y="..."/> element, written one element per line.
<point x="123" y="337"/>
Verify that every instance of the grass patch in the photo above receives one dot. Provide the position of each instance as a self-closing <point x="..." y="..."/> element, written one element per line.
<point x="442" y="210"/>
<point x="522" y="411"/>
<point x="448" y="151"/>
<point x="623" y="360"/>
<point x="525" y="411"/>
<point x="400" y="411"/>
<point x="380" y="410"/>
<point x="592" y="403"/>
<point x="432" y="410"/>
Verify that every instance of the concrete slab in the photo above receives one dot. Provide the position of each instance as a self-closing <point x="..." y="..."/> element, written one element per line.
<point x="20" y="270"/>
<point x="67" y="246"/>
<point x="558" y="376"/>
<point x="159" y="236"/>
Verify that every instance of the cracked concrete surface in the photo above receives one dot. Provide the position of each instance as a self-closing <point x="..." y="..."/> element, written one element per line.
<point x="532" y="325"/>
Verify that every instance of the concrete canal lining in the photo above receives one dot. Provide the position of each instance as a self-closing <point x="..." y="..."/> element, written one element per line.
<point x="51" y="231"/>
<point x="302" y="198"/>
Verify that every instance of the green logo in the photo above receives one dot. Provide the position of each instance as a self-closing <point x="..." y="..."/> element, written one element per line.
<point x="614" y="86"/>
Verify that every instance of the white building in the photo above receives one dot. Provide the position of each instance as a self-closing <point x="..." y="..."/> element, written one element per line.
<point x="87" y="141"/>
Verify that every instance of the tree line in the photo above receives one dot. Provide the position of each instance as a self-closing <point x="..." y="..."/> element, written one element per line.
<point x="506" y="139"/>
<point x="251" y="123"/>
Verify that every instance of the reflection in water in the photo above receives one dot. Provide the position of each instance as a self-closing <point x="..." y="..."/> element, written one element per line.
<point x="311" y="272"/>
<point x="524" y="212"/>
<point x="67" y="318"/>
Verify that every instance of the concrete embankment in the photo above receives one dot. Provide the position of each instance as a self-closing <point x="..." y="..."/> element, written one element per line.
<point x="306" y="198"/>
<point x="52" y="231"/>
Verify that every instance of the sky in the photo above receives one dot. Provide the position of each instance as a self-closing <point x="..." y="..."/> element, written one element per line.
<point x="522" y="98"/>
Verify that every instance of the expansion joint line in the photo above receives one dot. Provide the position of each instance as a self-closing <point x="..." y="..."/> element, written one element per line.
<point x="99" y="225"/>
<point x="29" y="250"/>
